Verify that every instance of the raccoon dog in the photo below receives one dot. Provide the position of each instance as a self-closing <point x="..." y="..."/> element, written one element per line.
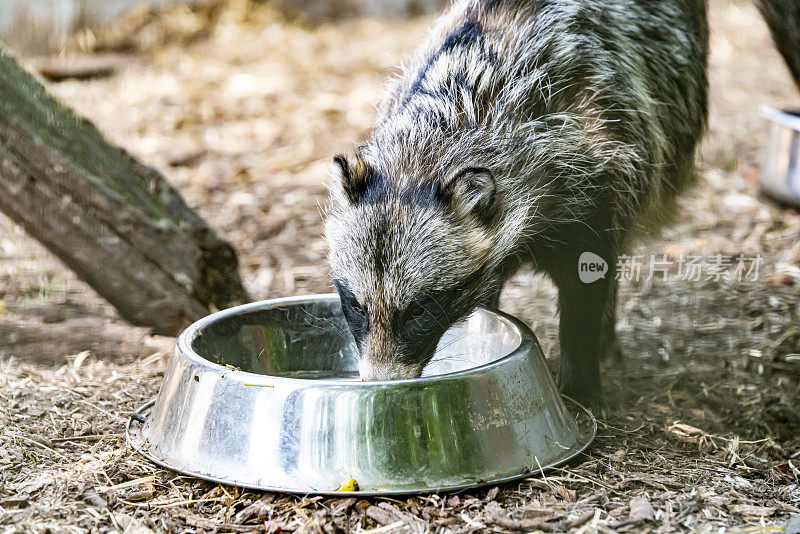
<point x="521" y="132"/>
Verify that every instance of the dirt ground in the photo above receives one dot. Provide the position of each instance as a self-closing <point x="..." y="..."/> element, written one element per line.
<point x="242" y="107"/>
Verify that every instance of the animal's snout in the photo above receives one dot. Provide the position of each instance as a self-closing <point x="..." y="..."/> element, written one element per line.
<point x="386" y="370"/>
<point x="379" y="358"/>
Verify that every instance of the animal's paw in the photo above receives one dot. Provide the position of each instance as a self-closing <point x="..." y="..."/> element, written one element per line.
<point x="595" y="401"/>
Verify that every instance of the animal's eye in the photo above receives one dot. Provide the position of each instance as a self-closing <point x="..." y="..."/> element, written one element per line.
<point x="415" y="311"/>
<point x="356" y="306"/>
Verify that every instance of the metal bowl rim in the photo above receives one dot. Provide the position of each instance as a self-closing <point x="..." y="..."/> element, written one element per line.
<point x="184" y="346"/>
<point x="784" y="117"/>
<point x="588" y="431"/>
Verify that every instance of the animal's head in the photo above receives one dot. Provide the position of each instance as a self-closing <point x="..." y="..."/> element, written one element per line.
<point x="408" y="257"/>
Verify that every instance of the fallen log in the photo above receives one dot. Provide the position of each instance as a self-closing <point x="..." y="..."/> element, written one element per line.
<point x="113" y="220"/>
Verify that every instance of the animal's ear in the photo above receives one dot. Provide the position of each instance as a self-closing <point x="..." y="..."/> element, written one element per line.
<point x="349" y="178"/>
<point x="471" y="191"/>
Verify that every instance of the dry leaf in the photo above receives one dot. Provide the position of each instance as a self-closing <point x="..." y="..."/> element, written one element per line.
<point x="568" y="494"/>
<point x="752" y="510"/>
<point x="537" y="513"/>
<point x="684" y="432"/>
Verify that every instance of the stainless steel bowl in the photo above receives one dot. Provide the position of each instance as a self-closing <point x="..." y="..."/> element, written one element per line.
<point x="267" y="396"/>
<point x="780" y="171"/>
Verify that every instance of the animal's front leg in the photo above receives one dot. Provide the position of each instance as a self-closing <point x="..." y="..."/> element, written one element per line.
<point x="584" y="300"/>
<point x="610" y="349"/>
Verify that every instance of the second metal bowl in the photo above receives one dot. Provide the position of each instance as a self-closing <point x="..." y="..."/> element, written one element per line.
<point x="780" y="171"/>
<point x="266" y="396"/>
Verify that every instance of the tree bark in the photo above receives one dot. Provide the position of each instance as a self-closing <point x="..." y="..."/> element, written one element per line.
<point x="783" y="19"/>
<point x="113" y="220"/>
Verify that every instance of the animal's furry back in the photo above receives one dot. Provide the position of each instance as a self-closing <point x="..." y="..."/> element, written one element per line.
<point x="573" y="104"/>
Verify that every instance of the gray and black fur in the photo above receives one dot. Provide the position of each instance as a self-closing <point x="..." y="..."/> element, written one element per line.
<point x="522" y="132"/>
<point x="783" y="19"/>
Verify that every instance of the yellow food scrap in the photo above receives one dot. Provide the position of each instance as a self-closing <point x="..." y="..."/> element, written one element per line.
<point x="349" y="485"/>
